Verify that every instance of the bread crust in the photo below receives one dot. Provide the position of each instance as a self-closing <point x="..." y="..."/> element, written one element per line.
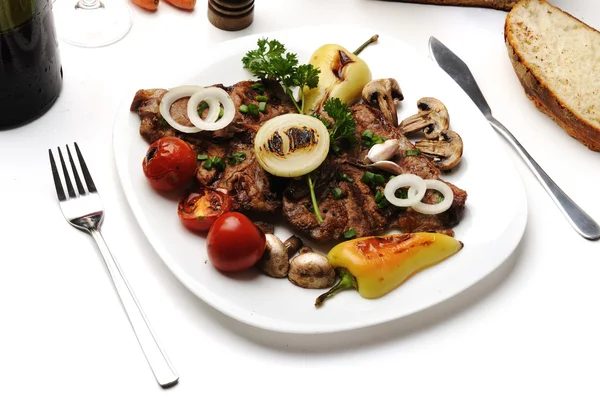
<point x="544" y="98"/>
<point x="496" y="4"/>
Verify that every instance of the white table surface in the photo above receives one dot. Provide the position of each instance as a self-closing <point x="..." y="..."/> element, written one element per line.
<point x="531" y="329"/>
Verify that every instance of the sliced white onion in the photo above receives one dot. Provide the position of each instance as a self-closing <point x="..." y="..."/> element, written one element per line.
<point x="175" y="94"/>
<point x="207" y="94"/>
<point x="406" y="180"/>
<point x="433" y="209"/>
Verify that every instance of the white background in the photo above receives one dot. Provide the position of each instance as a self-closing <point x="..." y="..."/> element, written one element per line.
<point x="528" y="330"/>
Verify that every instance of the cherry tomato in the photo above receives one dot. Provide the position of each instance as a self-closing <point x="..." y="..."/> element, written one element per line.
<point x="234" y="243"/>
<point x="199" y="209"/>
<point x="169" y="164"/>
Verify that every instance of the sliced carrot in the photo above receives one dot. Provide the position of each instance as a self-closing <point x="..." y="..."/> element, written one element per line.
<point x="150" y="5"/>
<point x="183" y="4"/>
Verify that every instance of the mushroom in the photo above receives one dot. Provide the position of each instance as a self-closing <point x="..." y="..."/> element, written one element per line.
<point x="384" y="94"/>
<point x="432" y="118"/>
<point x="311" y="270"/>
<point x="445" y="151"/>
<point x="275" y="260"/>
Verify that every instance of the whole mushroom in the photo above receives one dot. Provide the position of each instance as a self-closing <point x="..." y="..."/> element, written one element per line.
<point x="275" y="260"/>
<point x="445" y="151"/>
<point x="311" y="270"/>
<point x="431" y="120"/>
<point x="384" y="94"/>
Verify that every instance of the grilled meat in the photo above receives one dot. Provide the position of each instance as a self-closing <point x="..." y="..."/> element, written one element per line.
<point x="358" y="209"/>
<point x="253" y="189"/>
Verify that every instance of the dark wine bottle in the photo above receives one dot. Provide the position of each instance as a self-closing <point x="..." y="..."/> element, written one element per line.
<point x="30" y="68"/>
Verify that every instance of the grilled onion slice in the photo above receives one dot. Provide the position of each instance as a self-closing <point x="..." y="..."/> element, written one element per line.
<point x="291" y="145"/>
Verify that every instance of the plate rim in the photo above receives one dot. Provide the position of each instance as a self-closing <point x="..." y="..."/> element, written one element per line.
<point x="262" y="322"/>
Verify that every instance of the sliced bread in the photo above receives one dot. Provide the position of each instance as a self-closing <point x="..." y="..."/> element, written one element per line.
<point x="557" y="60"/>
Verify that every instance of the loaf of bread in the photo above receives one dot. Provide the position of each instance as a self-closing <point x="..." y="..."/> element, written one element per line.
<point x="497" y="4"/>
<point x="557" y="60"/>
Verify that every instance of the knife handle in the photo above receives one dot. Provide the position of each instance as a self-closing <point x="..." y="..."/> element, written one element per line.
<point x="581" y="221"/>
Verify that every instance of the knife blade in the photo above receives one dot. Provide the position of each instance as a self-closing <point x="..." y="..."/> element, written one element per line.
<point x="583" y="223"/>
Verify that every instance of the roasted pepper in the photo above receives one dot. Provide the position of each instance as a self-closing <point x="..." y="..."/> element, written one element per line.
<point x="374" y="266"/>
<point x="342" y="75"/>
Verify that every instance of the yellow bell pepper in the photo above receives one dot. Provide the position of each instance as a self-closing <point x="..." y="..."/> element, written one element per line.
<point x="374" y="266"/>
<point x="342" y="75"/>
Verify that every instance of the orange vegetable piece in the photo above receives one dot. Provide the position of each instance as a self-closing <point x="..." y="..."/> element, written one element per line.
<point x="183" y="4"/>
<point x="149" y="5"/>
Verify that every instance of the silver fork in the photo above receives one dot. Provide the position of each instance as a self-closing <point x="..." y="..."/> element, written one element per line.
<point x="83" y="209"/>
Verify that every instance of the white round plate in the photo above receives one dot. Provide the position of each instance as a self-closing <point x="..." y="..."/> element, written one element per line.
<point x="495" y="218"/>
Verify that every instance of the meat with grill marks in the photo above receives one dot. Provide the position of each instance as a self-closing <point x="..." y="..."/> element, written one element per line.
<point x="254" y="190"/>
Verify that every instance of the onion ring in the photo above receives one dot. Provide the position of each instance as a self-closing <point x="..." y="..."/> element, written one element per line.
<point x="408" y="179"/>
<point x="175" y="94"/>
<point x="433" y="209"/>
<point x="207" y="94"/>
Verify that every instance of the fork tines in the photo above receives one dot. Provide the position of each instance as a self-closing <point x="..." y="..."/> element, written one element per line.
<point x="60" y="192"/>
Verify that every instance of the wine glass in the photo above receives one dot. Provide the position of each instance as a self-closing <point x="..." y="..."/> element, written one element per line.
<point x="92" y="23"/>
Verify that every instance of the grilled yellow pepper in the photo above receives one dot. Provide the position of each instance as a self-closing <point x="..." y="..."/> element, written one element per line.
<point x="343" y="75"/>
<point x="374" y="266"/>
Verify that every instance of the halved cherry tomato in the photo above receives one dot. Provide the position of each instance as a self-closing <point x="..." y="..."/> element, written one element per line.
<point x="170" y="163"/>
<point x="200" y="208"/>
<point x="234" y="243"/>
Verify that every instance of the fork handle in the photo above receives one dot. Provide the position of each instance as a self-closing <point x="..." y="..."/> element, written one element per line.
<point x="162" y="368"/>
<point x="579" y="220"/>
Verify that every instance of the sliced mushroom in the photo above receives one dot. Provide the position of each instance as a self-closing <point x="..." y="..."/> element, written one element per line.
<point x="384" y="94"/>
<point x="431" y="120"/>
<point x="311" y="270"/>
<point x="445" y="151"/>
<point x="275" y="260"/>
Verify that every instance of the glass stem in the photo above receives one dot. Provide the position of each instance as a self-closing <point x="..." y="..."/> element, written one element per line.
<point x="89" y="4"/>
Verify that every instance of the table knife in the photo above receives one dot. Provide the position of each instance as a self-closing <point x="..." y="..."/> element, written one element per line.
<point x="459" y="71"/>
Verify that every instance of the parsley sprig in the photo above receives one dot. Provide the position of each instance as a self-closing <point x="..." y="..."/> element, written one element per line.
<point x="343" y="122"/>
<point x="271" y="61"/>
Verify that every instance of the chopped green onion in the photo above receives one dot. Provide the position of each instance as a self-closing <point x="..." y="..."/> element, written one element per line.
<point x="262" y="98"/>
<point x="221" y="112"/>
<point x="440" y="197"/>
<point x="402" y="193"/>
<point x="243" y="108"/>
<point x="214" y="163"/>
<point x="202" y="157"/>
<point x="236" y="157"/>
<point x="367" y="134"/>
<point x="350" y="233"/>
<point x="201" y="107"/>
<point x="378" y="196"/>
<point x="368" y="177"/>
<point x="383" y="203"/>
<point x="258" y="87"/>
<point x="377" y="140"/>
<point x="335" y="147"/>
<point x="337" y="193"/>
<point x="253" y="109"/>
<point x="345" y="177"/>
<point x="262" y="106"/>
<point x="378" y="179"/>
<point x="413" y="152"/>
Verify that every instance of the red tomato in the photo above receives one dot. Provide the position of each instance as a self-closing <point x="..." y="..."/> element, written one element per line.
<point x="199" y="209"/>
<point x="169" y="164"/>
<point x="234" y="243"/>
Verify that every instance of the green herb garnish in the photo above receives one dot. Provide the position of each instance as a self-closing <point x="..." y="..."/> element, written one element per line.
<point x="262" y="98"/>
<point x="378" y="196"/>
<point x="383" y="203"/>
<point x="244" y="109"/>
<point x="253" y="109"/>
<point x="214" y="163"/>
<point x="343" y="122"/>
<point x="313" y="197"/>
<point x="413" y="152"/>
<point x="262" y="106"/>
<point x="258" y="87"/>
<point x="345" y="177"/>
<point x="337" y="193"/>
<point x="201" y="107"/>
<point x="202" y="157"/>
<point x="236" y="157"/>
<point x="271" y="61"/>
<point x="350" y="233"/>
<point x="221" y="112"/>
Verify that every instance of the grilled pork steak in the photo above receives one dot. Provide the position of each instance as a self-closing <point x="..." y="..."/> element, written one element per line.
<point x="358" y="209"/>
<point x="253" y="189"/>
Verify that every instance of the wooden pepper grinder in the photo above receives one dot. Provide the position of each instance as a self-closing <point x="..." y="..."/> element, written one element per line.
<point x="231" y="14"/>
